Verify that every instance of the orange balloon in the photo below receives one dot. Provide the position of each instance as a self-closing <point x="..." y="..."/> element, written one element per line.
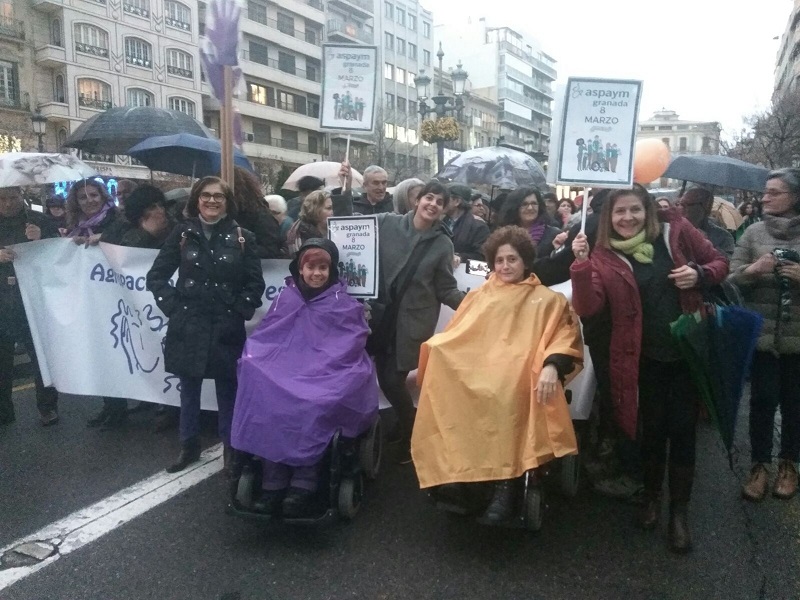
<point x="650" y="160"/>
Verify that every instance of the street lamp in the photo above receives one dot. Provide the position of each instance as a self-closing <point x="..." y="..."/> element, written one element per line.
<point x="442" y="105"/>
<point x="39" y="122"/>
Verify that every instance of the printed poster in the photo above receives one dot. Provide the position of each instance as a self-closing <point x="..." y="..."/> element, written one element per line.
<point x="349" y="79"/>
<point x="357" y="240"/>
<point x="598" y="132"/>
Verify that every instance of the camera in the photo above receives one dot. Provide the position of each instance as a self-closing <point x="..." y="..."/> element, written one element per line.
<point x="783" y="256"/>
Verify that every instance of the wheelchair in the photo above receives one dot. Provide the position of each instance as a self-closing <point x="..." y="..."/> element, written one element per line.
<point x="347" y="465"/>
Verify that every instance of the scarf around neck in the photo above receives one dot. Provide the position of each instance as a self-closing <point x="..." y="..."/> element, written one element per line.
<point x="782" y="228"/>
<point x="636" y="247"/>
<point x="536" y="231"/>
<point x="85" y="227"/>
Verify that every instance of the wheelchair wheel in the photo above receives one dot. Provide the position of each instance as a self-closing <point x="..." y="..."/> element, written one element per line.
<point x="570" y="475"/>
<point x="350" y="492"/>
<point x="370" y="450"/>
<point x="244" y="488"/>
<point x="534" y="506"/>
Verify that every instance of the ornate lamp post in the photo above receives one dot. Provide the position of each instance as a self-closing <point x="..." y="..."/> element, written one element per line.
<point x="442" y="104"/>
<point x="39" y="122"/>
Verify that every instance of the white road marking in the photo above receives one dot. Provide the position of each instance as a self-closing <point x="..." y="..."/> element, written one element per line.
<point x="91" y="523"/>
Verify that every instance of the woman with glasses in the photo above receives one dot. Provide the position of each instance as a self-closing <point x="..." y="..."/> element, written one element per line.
<point x="219" y="287"/>
<point x="765" y="267"/>
<point x="525" y="207"/>
<point x="312" y="222"/>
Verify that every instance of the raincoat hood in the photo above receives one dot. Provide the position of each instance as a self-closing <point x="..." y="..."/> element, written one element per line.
<point x="323" y="244"/>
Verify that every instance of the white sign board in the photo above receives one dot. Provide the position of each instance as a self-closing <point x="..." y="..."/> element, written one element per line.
<point x="349" y="79"/>
<point x="357" y="240"/>
<point x="598" y="132"/>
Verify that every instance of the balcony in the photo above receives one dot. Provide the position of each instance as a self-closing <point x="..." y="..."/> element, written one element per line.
<point x="287" y="151"/>
<point x="183" y="25"/>
<point x="189" y="74"/>
<point x="347" y="31"/>
<point x="279" y="113"/>
<point x="50" y="56"/>
<point x="528" y="80"/>
<point x="55" y="110"/>
<point x="310" y="36"/>
<point x="540" y="65"/>
<point x="361" y="8"/>
<point x="12" y="29"/>
<point x="93" y="50"/>
<point x="133" y="9"/>
<point x="95" y="103"/>
<point x="541" y="108"/>
<point x="47" y="5"/>
<point x="270" y="69"/>
<point x="507" y="117"/>
<point x="138" y="61"/>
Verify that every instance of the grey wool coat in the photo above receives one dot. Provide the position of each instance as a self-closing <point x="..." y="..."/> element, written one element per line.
<point x="432" y="286"/>
<point x="762" y="292"/>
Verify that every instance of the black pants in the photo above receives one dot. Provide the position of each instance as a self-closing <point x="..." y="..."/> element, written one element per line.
<point x="668" y="413"/>
<point x="46" y="397"/>
<point x="393" y="386"/>
<point x="775" y="381"/>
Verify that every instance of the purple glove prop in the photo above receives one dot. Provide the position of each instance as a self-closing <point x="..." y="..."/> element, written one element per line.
<point x="222" y="31"/>
<point x="238" y="132"/>
<point x="214" y="77"/>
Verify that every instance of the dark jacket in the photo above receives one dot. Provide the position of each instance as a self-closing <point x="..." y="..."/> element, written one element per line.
<point x="136" y="237"/>
<point x="362" y="206"/>
<point x="219" y="287"/>
<point x="607" y="279"/>
<point x="114" y="229"/>
<point x="13" y="321"/>
<point x="721" y="238"/>
<point x="469" y="235"/>
<point x="554" y="268"/>
<point x="266" y="229"/>
<point x="545" y="246"/>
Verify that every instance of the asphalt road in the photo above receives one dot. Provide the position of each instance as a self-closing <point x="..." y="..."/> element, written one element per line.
<point x="398" y="547"/>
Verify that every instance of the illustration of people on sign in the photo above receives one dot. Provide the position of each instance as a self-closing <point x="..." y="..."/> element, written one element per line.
<point x="594" y="155"/>
<point x="347" y="107"/>
<point x="355" y="275"/>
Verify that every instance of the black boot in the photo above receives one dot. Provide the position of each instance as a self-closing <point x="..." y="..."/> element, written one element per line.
<point x="100" y="418"/>
<point x="117" y="416"/>
<point x="501" y="507"/>
<point x="190" y="453"/>
<point x="270" y="502"/>
<point x="297" y="503"/>
<point x="650" y="513"/>
<point x="229" y="461"/>
<point x="679" y="538"/>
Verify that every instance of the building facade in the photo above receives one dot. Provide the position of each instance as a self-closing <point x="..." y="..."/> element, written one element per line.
<point x="478" y="120"/>
<point x="787" y="65"/>
<point x="75" y="58"/>
<point x="509" y="68"/>
<point x="682" y="137"/>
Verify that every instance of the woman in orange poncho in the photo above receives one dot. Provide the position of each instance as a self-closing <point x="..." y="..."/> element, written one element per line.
<point x="492" y="403"/>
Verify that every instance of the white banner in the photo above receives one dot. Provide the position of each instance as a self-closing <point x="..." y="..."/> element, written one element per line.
<point x="357" y="240"/>
<point x="349" y="80"/>
<point x="598" y="132"/>
<point x="98" y="332"/>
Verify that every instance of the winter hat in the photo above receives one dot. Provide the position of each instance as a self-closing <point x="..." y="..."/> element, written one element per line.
<point x="141" y="199"/>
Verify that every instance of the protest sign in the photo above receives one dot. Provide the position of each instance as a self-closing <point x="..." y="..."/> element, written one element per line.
<point x="357" y="240"/>
<point x="98" y="332"/>
<point x="349" y="79"/>
<point x="598" y="132"/>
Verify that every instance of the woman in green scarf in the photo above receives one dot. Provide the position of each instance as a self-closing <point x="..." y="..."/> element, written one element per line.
<point x="648" y="266"/>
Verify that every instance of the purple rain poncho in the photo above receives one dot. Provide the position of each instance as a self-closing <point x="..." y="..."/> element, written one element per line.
<point x="303" y="374"/>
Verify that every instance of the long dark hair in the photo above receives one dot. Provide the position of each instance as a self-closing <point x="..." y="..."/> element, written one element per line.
<point x="509" y="214"/>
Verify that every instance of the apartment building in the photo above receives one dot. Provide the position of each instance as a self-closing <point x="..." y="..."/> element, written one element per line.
<point x="71" y="59"/>
<point x="680" y="136"/>
<point x="478" y="120"/>
<point x="787" y="65"/>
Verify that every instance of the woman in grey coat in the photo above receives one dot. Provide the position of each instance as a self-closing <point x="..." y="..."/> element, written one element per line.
<point x="766" y="266"/>
<point x="416" y="278"/>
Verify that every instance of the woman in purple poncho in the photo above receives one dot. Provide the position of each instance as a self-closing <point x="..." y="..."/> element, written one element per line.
<point x="304" y="373"/>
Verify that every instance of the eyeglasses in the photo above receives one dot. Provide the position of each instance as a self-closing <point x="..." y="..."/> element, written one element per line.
<point x="530" y="205"/>
<point x="206" y="196"/>
<point x="775" y="193"/>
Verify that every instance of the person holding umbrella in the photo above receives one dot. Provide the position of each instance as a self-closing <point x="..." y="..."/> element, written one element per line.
<point x="765" y="267"/>
<point x="648" y="267"/>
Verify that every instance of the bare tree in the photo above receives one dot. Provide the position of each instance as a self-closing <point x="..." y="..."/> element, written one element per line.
<point x="772" y="138"/>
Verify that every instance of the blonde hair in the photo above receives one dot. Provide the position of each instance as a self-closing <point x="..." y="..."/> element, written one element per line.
<point x="311" y="210"/>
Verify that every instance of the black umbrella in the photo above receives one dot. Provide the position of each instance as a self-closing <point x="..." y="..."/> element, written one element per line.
<point x="118" y="129"/>
<point x="721" y="171"/>
<point x="494" y="166"/>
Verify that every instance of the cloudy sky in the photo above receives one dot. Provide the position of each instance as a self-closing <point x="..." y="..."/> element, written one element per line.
<point x="706" y="59"/>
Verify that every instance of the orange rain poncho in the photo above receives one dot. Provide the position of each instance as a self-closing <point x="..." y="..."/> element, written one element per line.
<point x="478" y="417"/>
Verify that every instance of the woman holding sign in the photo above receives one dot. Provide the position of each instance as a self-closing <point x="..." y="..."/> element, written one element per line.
<point x="648" y="267"/>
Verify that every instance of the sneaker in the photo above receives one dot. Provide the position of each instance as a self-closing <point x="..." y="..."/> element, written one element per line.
<point x="297" y="502"/>
<point x="756" y="486"/>
<point x="621" y="487"/>
<point x="270" y="502"/>
<point x="49" y="418"/>
<point x="786" y="483"/>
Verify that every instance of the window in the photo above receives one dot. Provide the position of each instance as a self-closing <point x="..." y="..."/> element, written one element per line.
<point x="256" y="93"/>
<point x="666" y="141"/>
<point x="401" y="161"/>
<point x="388" y="131"/>
<point x="55" y="33"/>
<point x="262" y="133"/>
<point x="179" y="63"/>
<point x="401" y="46"/>
<point x="312" y="69"/>
<point x="183" y="105"/>
<point x="61" y="139"/>
<point x="138" y="53"/>
<point x="412" y="107"/>
<point x="389" y="100"/>
<point x="286" y="24"/>
<point x="177" y="15"/>
<point x="411" y="136"/>
<point x="401" y="133"/>
<point x="410" y="80"/>
<point x="9" y="87"/>
<point x="388" y="71"/>
<point x="313" y="144"/>
<point x="401" y="16"/>
<point x="286" y="101"/>
<point x="259" y="53"/>
<point x="388" y="10"/>
<point x="93" y="93"/>
<point x="91" y="40"/>
<point x="390" y="160"/>
<point x="427" y="162"/>
<point x="139" y="97"/>
<point x="286" y="63"/>
<point x="140" y="8"/>
<point x="289" y="139"/>
<point x="313" y="107"/>
<point x="413" y="163"/>
<point x="682" y="144"/>
<point x="389" y="41"/>
<point x="401" y="104"/>
<point x="426" y="29"/>
<point x="400" y="75"/>
<point x="665" y="127"/>
<point x="426" y="58"/>
<point x="59" y="93"/>
<point x="257" y="12"/>
<point x="412" y="51"/>
<point x="412" y="22"/>
<point x="312" y="35"/>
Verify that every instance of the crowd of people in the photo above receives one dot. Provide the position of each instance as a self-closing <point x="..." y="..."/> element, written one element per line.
<point x="494" y="380"/>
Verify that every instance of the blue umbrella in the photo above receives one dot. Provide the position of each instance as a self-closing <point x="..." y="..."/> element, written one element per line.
<point x="184" y="154"/>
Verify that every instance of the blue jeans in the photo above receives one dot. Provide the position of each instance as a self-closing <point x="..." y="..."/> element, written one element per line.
<point x="190" y="407"/>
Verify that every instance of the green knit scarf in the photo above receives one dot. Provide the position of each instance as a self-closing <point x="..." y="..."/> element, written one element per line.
<point x="638" y="247"/>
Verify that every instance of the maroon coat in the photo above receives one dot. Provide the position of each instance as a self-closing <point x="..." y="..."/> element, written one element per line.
<point x="607" y="277"/>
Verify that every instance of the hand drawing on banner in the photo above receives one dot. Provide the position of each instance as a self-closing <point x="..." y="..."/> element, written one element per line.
<point x="168" y="383"/>
<point x="222" y="32"/>
<point x="129" y="333"/>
